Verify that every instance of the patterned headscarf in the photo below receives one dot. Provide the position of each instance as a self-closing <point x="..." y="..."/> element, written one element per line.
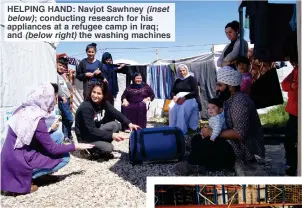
<point x="228" y="75"/>
<point x="25" y="118"/>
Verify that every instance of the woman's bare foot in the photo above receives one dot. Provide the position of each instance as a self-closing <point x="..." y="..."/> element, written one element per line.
<point x="33" y="188"/>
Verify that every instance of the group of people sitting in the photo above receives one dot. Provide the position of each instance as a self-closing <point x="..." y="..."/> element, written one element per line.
<point x="234" y="131"/>
<point x="34" y="144"/>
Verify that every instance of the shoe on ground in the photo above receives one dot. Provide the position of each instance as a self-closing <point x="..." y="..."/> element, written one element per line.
<point x="47" y="178"/>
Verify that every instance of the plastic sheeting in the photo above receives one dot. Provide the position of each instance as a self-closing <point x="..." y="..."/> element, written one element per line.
<point x="24" y="65"/>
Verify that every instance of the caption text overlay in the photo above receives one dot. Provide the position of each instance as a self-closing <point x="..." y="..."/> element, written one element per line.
<point x="86" y="22"/>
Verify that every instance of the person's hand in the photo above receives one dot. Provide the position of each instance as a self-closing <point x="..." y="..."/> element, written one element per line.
<point x="64" y="75"/>
<point x="146" y="100"/>
<point x="181" y="100"/>
<point x="118" y="137"/>
<point x="206" y="131"/>
<point x="125" y="103"/>
<point x="133" y="126"/>
<point x="105" y="80"/>
<point x="64" y="99"/>
<point x="175" y="99"/>
<point x="89" y="74"/>
<point x="54" y="126"/>
<point x="97" y="71"/>
<point x="121" y="66"/>
<point x="71" y="71"/>
<point x="225" y="63"/>
<point x="83" y="146"/>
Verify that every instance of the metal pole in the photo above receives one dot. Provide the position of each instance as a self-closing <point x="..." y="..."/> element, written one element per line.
<point x="236" y="194"/>
<point x="215" y="195"/>
<point x="197" y="194"/>
<point x="223" y="194"/>
<point x="283" y="195"/>
<point x="266" y="194"/>
<point x="243" y="193"/>
<point x="241" y="51"/>
<point x="258" y="190"/>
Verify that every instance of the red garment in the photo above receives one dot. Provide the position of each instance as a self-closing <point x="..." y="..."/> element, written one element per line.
<point x="290" y="85"/>
<point x="246" y="83"/>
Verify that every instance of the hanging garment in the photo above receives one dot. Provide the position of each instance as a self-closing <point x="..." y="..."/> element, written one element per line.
<point x="271" y="30"/>
<point x="161" y="79"/>
<point x="259" y="68"/>
<point x="205" y="74"/>
<point x="256" y="11"/>
<point x="266" y="90"/>
<point x="130" y="70"/>
<point x="293" y="21"/>
<point x="73" y="61"/>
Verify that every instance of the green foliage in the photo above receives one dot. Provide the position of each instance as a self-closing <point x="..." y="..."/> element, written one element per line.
<point x="276" y="117"/>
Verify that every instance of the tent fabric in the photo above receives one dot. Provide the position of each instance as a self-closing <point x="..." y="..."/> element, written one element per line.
<point x="24" y="65"/>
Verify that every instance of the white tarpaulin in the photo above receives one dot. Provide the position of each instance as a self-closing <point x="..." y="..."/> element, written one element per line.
<point x="23" y="66"/>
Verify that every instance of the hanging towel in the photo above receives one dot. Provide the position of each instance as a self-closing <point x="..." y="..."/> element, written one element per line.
<point x="161" y="79"/>
<point x="205" y="74"/>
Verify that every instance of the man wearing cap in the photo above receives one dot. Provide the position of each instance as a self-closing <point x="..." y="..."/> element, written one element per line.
<point x="64" y="95"/>
<point x="244" y="131"/>
<point x="241" y="141"/>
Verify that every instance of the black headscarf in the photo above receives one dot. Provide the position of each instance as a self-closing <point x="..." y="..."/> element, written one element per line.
<point x="134" y="85"/>
<point x="106" y="56"/>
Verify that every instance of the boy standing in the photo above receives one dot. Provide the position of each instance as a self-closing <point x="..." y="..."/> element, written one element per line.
<point x="64" y="96"/>
<point x="290" y="85"/>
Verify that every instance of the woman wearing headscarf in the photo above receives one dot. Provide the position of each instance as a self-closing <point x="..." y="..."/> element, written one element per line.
<point x="28" y="151"/>
<point x="89" y="70"/>
<point x="184" y="108"/>
<point x="231" y="51"/>
<point x="110" y="74"/>
<point x="136" y="99"/>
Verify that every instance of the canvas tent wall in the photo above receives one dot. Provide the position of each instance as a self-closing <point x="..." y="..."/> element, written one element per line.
<point x="24" y="65"/>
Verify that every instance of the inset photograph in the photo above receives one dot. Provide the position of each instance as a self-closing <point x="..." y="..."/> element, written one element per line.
<point x="231" y="195"/>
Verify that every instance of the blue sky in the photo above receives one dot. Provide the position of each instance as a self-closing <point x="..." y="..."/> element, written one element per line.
<point x="197" y="23"/>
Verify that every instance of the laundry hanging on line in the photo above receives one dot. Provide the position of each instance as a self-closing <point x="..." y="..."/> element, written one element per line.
<point x="205" y="74"/>
<point x="161" y="80"/>
<point x="271" y="30"/>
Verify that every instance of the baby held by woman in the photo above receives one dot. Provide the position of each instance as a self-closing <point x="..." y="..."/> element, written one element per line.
<point x="216" y="120"/>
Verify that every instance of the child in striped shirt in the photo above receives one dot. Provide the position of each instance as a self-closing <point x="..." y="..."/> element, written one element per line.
<point x="217" y="119"/>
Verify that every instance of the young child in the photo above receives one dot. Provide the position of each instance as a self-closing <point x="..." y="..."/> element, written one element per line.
<point x="64" y="96"/>
<point x="243" y="65"/>
<point x="217" y="119"/>
<point x="290" y="85"/>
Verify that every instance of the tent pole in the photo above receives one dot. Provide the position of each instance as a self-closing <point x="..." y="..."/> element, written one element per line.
<point x="241" y="29"/>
